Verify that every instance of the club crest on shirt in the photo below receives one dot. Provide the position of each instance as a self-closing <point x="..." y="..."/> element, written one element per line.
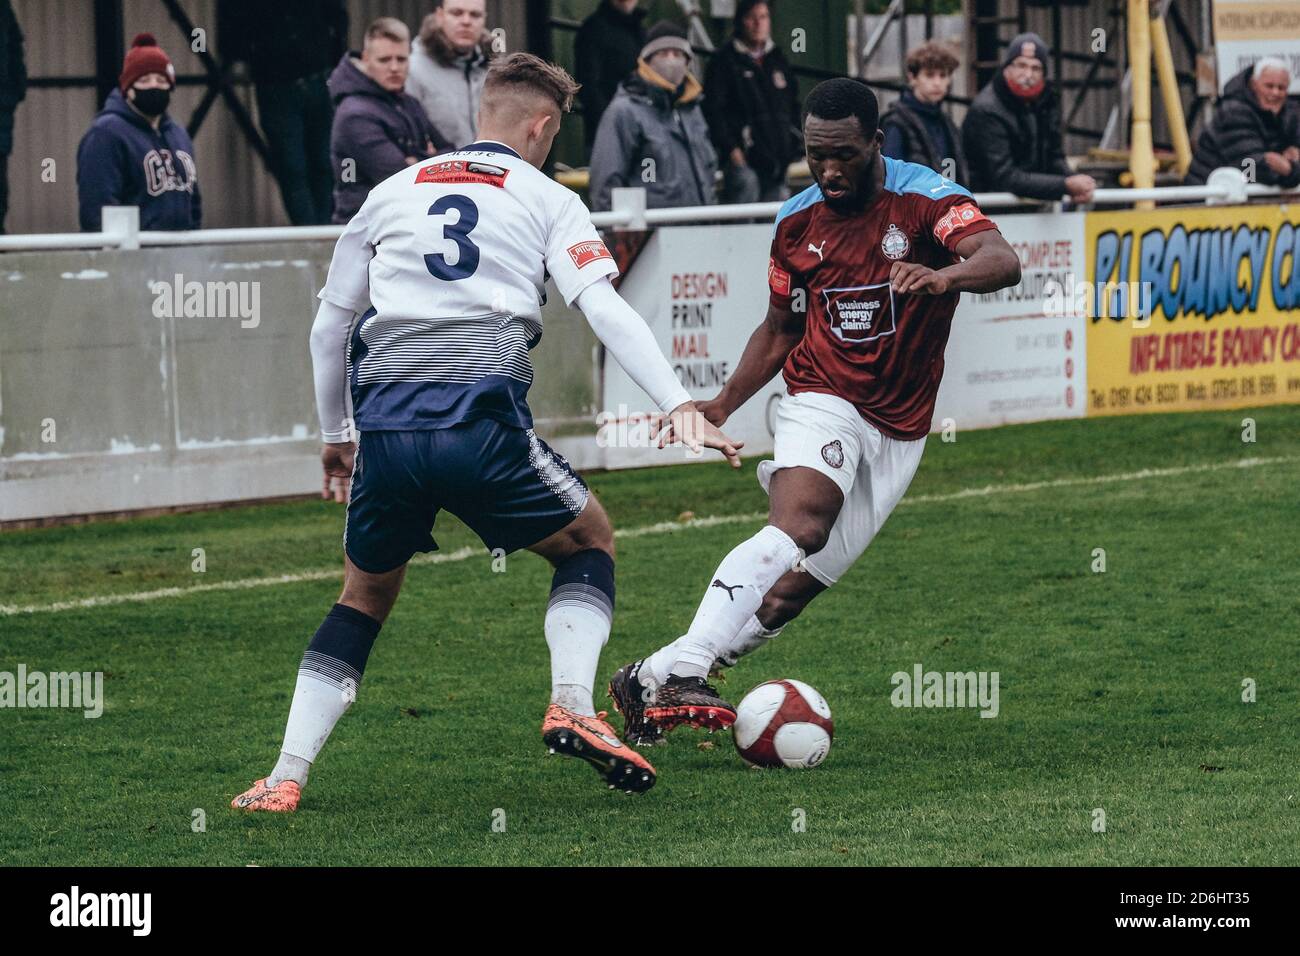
<point x="860" y="313"/>
<point x="833" y="453"/>
<point x="895" y="244"/>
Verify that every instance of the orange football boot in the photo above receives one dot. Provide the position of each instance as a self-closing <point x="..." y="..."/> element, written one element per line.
<point x="594" y="741"/>
<point x="282" y="798"/>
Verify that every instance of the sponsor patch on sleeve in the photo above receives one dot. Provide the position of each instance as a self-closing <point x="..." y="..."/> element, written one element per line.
<point x="958" y="217"/>
<point x="777" y="278"/>
<point x="463" y="171"/>
<point x="587" y="252"/>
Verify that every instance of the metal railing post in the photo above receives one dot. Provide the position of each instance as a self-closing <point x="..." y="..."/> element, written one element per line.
<point x="629" y="201"/>
<point x="121" y="226"/>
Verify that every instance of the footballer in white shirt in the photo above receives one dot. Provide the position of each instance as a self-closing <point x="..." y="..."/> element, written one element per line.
<point x="421" y="348"/>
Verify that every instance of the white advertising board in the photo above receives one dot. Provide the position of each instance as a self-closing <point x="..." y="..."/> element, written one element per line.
<point x="703" y="291"/>
<point x="1007" y="361"/>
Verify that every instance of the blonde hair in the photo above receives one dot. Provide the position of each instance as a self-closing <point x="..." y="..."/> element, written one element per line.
<point x="388" y="28"/>
<point x="525" y="72"/>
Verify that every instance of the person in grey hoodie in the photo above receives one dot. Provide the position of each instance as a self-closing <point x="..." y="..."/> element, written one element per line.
<point x="654" y="133"/>
<point x="378" y="129"/>
<point x="449" y="62"/>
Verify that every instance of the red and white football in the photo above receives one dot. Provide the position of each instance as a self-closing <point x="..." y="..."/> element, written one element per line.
<point x="783" y="723"/>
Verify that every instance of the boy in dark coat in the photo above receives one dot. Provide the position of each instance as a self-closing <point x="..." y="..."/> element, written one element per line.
<point x="917" y="130"/>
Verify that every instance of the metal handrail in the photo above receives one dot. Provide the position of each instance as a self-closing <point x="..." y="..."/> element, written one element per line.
<point x="624" y="215"/>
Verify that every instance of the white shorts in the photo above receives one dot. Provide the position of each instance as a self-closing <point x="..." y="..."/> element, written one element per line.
<point x="826" y="433"/>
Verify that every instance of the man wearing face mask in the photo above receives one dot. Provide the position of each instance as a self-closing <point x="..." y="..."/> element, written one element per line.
<point x="654" y="133"/>
<point x="1012" y="132"/>
<point x="134" y="155"/>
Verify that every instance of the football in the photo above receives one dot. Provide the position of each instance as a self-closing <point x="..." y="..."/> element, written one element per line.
<point x="783" y="723"/>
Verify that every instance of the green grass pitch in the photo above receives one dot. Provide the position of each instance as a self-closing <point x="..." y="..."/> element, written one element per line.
<point x="1120" y="691"/>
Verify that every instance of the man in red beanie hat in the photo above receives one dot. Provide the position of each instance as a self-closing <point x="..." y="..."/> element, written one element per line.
<point x="134" y="155"/>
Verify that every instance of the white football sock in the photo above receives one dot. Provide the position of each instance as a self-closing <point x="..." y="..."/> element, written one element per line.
<point x="575" y="634"/>
<point x="289" y="767"/>
<point x="753" y="635"/>
<point x="656" y="668"/>
<point x="317" y="707"/>
<point x="750" y="638"/>
<point x="733" y="597"/>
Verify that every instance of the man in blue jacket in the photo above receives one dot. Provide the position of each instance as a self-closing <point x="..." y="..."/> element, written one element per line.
<point x="379" y="129"/>
<point x="134" y="155"/>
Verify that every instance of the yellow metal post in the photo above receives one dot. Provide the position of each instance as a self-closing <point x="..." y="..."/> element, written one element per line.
<point x="1169" y="93"/>
<point x="1142" y="159"/>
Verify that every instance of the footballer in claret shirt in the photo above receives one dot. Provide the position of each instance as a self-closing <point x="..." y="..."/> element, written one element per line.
<point x="866" y="269"/>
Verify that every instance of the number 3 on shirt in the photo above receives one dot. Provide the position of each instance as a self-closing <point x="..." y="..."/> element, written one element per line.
<point x="458" y="232"/>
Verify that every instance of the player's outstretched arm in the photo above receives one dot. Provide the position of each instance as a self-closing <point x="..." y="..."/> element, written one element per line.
<point x="765" y="353"/>
<point x="625" y="336"/>
<point x="329" y="339"/>
<point x="988" y="264"/>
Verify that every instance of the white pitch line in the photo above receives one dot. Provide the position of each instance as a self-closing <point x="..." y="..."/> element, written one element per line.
<point x="662" y="527"/>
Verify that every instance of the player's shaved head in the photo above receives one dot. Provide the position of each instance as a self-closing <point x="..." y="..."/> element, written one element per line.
<point x="523" y="100"/>
<point x="841" y="98"/>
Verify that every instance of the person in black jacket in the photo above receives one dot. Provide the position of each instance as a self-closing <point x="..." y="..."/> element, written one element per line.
<point x="605" y="52"/>
<point x="290" y="47"/>
<point x="917" y="130"/>
<point x="1012" y="132"/>
<point x="13" y="87"/>
<point x="1255" y="128"/>
<point x="751" y="100"/>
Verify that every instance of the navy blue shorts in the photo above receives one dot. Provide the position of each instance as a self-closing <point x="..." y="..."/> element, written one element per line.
<point x="504" y="482"/>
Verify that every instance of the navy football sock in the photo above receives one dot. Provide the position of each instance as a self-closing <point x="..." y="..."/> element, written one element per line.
<point x="328" y="678"/>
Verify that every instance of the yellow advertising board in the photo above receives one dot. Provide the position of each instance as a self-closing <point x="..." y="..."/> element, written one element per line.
<point x="1192" y="309"/>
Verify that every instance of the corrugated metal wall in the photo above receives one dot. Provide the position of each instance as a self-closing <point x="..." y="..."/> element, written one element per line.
<point x="49" y="124"/>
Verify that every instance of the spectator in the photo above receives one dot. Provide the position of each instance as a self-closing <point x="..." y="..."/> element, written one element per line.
<point x="134" y="154"/>
<point x="916" y="127"/>
<point x="13" y="87"/>
<point x="605" y="52"/>
<point x="752" y="104"/>
<point x="654" y="133"/>
<point x="290" y="47"/>
<point x="379" y="129"/>
<point x="449" y="63"/>
<point x="1253" y="120"/>
<point x="1012" y="132"/>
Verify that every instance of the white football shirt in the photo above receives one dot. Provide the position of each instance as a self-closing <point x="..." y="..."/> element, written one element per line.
<point x="452" y="256"/>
